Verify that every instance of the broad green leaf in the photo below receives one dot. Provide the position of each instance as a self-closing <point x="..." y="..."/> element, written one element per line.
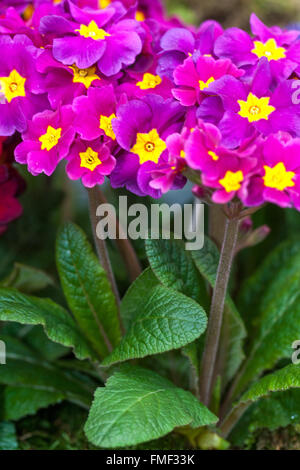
<point x="87" y="289"/>
<point x="8" y="436"/>
<point x="27" y="279"/>
<point x="233" y="331"/>
<point x="167" y="320"/>
<point x="174" y="267"/>
<point x="135" y="406"/>
<point x="254" y="288"/>
<point x="37" y="339"/>
<point x="58" y="324"/>
<point x="25" y="369"/>
<point x="279" y="381"/>
<point x="278" y="327"/>
<point x="22" y="401"/>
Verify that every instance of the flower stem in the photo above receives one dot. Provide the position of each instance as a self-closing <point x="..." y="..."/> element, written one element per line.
<point x="232" y="418"/>
<point x="217" y="309"/>
<point x="95" y="197"/>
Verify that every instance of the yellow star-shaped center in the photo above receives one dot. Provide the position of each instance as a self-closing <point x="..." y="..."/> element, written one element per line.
<point x="232" y="181"/>
<point x="50" y="138"/>
<point x="104" y="3"/>
<point x="149" y="81"/>
<point x="12" y="86"/>
<point x="278" y="177"/>
<point x="269" y="49"/>
<point x="255" y="109"/>
<point x="92" y="31"/>
<point x="213" y="155"/>
<point x="106" y="125"/>
<point x="149" y="147"/>
<point x="203" y="85"/>
<point x="84" y="76"/>
<point x="139" y="16"/>
<point x="89" y="159"/>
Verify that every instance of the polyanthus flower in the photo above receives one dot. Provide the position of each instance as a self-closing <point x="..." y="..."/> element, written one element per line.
<point x="251" y="107"/>
<point x="47" y="140"/>
<point x="141" y="128"/>
<point x="278" y="177"/>
<point x="137" y="85"/>
<point x="90" y="161"/>
<point x="95" y="112"/>
<point x="20" y="85"/>
<point x="179" y="43"/>
<point x="280" y="48"/>
<point x="94" y="37"/>
<point x="63" y="83"/>
<point x="195" y="76"/>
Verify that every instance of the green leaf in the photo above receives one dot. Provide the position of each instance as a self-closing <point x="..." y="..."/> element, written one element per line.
<point x="255" y="287"/>
<point x="58" y="324"/>
<point x="174" y="267"/>
<point x="278" y="325"/>
<point x="25" y="369"/>
<point x="8" y="437"/>
<point x="134" y="407"/>
<point x="233" y="331"/>
<point x="167" y="320"/>
<point x="22" y="401"/>
<point x="27" y="279"/>
<point x="87" y="289"/>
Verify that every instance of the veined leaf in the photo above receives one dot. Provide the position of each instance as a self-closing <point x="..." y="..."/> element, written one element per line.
<point x="167" y="320"/>
<point x="8" y="436"/>
<point x="57" y="322"/>
<point x="25" y="369"/>
<point x="87" y="289"/>
<point x="174" y="267"/>
<point x="134" y="407"/>
<point x="27" y="279"/>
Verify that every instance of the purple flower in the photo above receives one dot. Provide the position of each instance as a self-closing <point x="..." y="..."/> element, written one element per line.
<point x="94" y="37"/>
<point x="141" y="128"/>
<point x="280" y="48"/>
<point x="179" y="43"/>
<point x="277" y="179"/>
<point x="194" y="78"/>
<point x="95" y="112"/>
<point x="137" y="85"/>
<point x="252" y="107"/>
<point x="90" y="161"/>
<point x="20" y="85"/>
<point x="47" y="140"/>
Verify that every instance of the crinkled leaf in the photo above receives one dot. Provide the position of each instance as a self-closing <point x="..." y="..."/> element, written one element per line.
<point x="167" y="320"/>
<point x="24" y="368"/>
<point x="27" y="279"/>
<point x="87" y="289"/>
<point x="137" y="406"/>
<point x="57" y="322"/>
<point x="174" y="267"/>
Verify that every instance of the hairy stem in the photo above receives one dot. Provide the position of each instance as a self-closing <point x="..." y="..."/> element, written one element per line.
<point x="232" y="418"/>
<point x="217" y="309"/>
<point x="95" y="197"/>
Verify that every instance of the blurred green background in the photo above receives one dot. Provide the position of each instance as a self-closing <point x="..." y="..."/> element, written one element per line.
<point x="236" y="12"/>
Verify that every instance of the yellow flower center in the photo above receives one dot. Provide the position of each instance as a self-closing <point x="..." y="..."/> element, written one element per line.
<point x="149" y="147"/>
<point x="104" y="3"/>
<point x="182" y="154"/>
<point x="203" y="85"/>
<point x="12" y="86"/>
<point x="92" y="31"/>
<point x="213" y="155"/>
<point x="269" y="49"/>
<point x="84" y="76"/>
<point x="89" y="159"/>
<point x="232" y="181"/>
<point x="149" y="81"/>
<point x="28" y="12"/>
<point x="139" y="16"/>
<point x="255" y="109"/>
<point x="51" y="138"/>
<point x="106" y="125"/>
<point x="278" y="178"/>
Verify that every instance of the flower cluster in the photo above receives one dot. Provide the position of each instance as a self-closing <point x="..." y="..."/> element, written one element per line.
<point x="115" y="89"/>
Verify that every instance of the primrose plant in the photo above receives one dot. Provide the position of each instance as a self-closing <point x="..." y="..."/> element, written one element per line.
<point x="116" y="90"/>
